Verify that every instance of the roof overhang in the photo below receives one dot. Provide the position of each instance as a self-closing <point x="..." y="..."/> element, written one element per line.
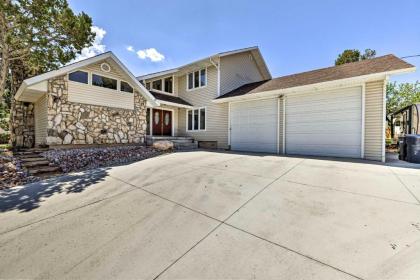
<point x="210" y="60"/>
<point x="353" y="81"/>
<point x="37" y="85"/>
<point x="175" y="104"/>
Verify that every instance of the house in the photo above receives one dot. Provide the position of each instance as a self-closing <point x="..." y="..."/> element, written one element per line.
<point x="228" y="100"/>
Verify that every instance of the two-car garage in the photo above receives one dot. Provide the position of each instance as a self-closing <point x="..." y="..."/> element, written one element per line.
<point x="320" y="123"/>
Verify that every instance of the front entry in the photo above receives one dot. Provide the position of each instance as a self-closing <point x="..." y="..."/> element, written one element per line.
<point x="161" y="122"/>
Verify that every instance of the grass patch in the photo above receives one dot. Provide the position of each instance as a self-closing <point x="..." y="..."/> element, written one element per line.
<point x="5" y="146"/>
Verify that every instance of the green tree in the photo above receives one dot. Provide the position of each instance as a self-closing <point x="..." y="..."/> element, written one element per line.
<point x="401" y="95"/>
<point x="38" y="36"/>
<point x="348" y="56"/>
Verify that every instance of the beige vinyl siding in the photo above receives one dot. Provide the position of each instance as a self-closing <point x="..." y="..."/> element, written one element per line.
<point x="88" y="94"/>
<point x="374" y="120"/>
<point x="94" y="95"/>
<point x="41" y="120"/>
<point x="237" y="70"/>
<point x="216" y="114"/>
<point x="281" y="124"/>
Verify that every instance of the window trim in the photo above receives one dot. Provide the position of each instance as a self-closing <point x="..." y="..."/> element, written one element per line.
<point x="79" y="70"/>
<point x="199" y="119"/>
<point x="90" y="75"/>
<point x="126" y="83"/>
<point x="199" y="79"/>
<point x="163" y="84"/>
<point x="105" y="76"/>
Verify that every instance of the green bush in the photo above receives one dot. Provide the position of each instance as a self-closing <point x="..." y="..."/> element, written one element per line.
<point x="4" y="138"/>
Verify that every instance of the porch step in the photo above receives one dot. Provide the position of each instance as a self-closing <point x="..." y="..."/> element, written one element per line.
<point x="35" y="164"/>
<point x="186" y="146"/>
<point x="43" y="170"/>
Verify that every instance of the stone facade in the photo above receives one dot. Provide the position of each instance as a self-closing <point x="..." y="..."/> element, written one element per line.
<point x="75" y="123"/>
<point x="22" y="124"/>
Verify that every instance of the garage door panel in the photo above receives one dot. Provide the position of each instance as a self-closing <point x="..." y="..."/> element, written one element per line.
<point x="325" y="123"/>
<point x="254" y="126"/>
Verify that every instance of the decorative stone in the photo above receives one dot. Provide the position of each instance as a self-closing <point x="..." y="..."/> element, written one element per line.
<point x="80" y="126"/>
<point x="163" y="145"/>
<point x="89" y="139"/>
<point x="117" y="138"/>
<point x="67" y="139"/>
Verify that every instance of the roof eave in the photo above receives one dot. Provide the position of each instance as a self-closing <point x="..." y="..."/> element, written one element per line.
<point x="321" y="85"/>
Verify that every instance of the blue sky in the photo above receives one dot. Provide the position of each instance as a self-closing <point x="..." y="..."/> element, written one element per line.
<point x="293" y="36"/>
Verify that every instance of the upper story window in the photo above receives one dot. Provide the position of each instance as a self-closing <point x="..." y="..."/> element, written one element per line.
<point x="101" y="81"/>
<point x="79" y="76"/>
<point x="157" y="85"/>
<point x="197" y="79"/>
<point x="168" y="83"/>
<point x="124" y="86"/>
<point x="163" y="85"/>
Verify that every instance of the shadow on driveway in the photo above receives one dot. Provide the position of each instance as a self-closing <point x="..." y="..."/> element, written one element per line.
<point x="28" y="197"/>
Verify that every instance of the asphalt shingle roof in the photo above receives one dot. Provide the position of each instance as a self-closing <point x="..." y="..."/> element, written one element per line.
<point x="365" y="67"/>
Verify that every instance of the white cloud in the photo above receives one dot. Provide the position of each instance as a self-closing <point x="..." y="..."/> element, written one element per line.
<point x="130" y="49"/>
<point x="97" y="46"/>
<point x="151" y="54"/>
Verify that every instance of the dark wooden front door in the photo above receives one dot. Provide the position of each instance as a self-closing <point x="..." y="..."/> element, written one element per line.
<point x="162" y="122"/>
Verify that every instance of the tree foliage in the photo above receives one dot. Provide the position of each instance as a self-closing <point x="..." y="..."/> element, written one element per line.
<point x="348" y="56"/>
<point x="38" y="36"/>
<point x="401" y="95"/>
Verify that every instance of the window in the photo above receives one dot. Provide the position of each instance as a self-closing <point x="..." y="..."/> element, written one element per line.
<point x="126" y="87"/>
<point x="148" y="86"/>
<point x="105" y="82"/>
<point x="196" y="119"/>
<point x="168" y="84"/>
<point x="197" y="79"/>
<point x="157" y="85"/>
<point x="79" y="76"/>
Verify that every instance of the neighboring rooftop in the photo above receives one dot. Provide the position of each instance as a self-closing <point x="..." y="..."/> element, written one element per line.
<point x="254" y="50"/>
<point x="382" y="64"/>
<point x="169" y="98"/>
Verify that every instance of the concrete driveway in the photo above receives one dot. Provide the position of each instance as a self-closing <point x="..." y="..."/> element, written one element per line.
<point x="210" y="215"/>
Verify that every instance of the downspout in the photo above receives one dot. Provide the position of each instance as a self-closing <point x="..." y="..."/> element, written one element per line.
<point x="218" y="74"/>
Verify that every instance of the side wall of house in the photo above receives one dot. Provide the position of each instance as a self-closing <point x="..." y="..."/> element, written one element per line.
<point x="41" y="120"/>
<point x="237" y="70"/>
<point x="216" y="114"/>
<point x="374" y="120"/>
<point x="77" y="123"/>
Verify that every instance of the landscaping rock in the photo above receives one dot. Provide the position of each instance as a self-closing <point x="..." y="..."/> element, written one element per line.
<point x="12" y="172"/>
<point x="86" y="158"/>
<point x="163" y="145"/>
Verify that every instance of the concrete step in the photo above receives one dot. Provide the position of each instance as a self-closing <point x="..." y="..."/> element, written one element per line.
<point x="43" y="169"/>
<point x="25" y="156"/>
<point x="186" y="146"/>
<point x="181" y="141"/>
<point x="36" y="163"/>
<point x="30" y="159"/>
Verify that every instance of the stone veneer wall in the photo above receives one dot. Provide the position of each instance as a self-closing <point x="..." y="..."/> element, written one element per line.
<point x="75" y="123"/>
<point x="22" y="124"/>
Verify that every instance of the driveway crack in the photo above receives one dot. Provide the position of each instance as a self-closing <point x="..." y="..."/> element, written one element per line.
<point x="405" y="186"/>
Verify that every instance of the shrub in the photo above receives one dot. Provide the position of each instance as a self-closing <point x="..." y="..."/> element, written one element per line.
<point x="4" y="138"/>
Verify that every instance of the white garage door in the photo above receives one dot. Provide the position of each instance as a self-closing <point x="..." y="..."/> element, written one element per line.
<point x="254" y="126"/>
<point x="327" y="123"/>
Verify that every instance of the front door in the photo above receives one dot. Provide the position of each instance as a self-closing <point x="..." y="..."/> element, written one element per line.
<point x="162" y="122"/>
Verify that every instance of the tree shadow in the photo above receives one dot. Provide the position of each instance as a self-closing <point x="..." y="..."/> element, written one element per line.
<point x="29" y="197"/>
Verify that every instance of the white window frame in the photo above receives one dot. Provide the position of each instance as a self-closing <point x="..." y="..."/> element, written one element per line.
<point x="162" y="79"/>
<point x="199" y="119"/>
<point x="90" y="77"/>
<point x="199" y="79"/>
<point x="128" y="84"/>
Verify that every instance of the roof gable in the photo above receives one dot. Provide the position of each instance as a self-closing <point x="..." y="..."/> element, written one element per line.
<point x="254" y="50"/>
<point x="108" y="56"/>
